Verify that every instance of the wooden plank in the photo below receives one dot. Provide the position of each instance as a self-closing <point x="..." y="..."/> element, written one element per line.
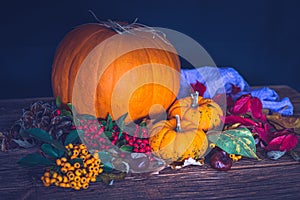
<point x="247" y="179"/>
<point x="242" y="181"/>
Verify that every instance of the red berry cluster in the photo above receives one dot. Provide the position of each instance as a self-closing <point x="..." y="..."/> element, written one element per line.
<point x="139" y="140"/>
<point x="56" y="112"/>
<point x="93" y="134"/>
<point x="98" y="136"/>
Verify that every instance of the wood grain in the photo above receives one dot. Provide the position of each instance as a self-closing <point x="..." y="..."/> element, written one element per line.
<point x="248" y="178"/>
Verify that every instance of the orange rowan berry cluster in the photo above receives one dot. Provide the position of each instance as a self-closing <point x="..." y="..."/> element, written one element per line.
<point x="235" y="157"/>
<point x="77" y="175"/>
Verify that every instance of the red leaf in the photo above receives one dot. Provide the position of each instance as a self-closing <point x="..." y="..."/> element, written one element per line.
<point x="256" y="108"/>
<point x="198" y="87"/>
<point x="281" y="132"/>
<point x="242" y="105"/>
<point x="238" y="119"/>
<point x="263" y="118"/>
<point x="235" y="89"/>
<point x="283" y="143"/>
<point x="263" y="134"/>
<point x="230" y="102"/>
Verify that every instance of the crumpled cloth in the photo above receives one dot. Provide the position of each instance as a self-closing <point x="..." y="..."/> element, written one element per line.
<point x="220" y="80"/>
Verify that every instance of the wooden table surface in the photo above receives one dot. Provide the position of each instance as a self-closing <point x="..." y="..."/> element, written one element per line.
<point x="248" y="178"/>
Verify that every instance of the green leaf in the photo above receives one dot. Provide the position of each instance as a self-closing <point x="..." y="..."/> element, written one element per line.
<point x="108" y="134"/>
<point x="120" y="134"/>
<point x="66" y="113"/>
<point x="105" y="156"/>
<point x="58" y="145"/>
<point x="58" y="102"/>
<point x="34" y="159"/>
<point x="24" y="134"/>
<point x="106" y="159"/>
<point x="126" y="148"/>
<point x="120" y="122"/>
<point x="71" y="137"/>
<point x="40" y="134"/>
<point x="143" y="124"/>
<point x="107" y="166"/>
<point x="49" y="150"/>
<point x="109" y="123"/>
<point x="72" y="108"/>
<point x="236" y="141"/>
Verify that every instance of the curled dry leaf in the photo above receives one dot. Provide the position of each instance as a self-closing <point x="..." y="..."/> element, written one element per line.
<point x="280" y="121"/>
<point x="295" y="155"/>
<point x="275" y="155"/>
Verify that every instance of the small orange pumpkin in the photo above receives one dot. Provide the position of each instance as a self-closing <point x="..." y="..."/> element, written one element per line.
<point x="203" y="112"/>
<point x="102" y="70"/>
<point x="173" y="140"/>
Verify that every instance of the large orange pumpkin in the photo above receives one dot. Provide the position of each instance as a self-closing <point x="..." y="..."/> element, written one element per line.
<point x="175" y="140"/>
<point x="101" y="70"/>
<point x="203" y="112"/>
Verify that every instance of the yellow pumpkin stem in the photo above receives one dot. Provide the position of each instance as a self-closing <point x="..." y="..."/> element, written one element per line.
<point x="178" y="125"/>
<point x="195" y="97"/>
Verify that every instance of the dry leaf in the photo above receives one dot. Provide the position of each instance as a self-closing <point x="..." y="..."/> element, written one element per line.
<point x="280" y="121"/>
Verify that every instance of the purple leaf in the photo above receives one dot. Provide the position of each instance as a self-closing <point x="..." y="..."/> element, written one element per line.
<point x="256" y="108"/>
<point x="283" y="143"/>
<point x="242" y="105"/>
<point x="201" y="88"/>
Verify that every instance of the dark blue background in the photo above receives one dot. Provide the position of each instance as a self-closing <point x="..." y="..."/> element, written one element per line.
<point x="259" y="38"/>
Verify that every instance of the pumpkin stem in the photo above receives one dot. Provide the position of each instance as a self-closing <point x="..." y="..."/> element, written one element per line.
<point x="195" y="97"/>
<point x="120" y="29"/>
<point x="178" y="125"/>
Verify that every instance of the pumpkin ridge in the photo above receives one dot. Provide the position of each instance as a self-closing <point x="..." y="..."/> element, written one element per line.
<point x="76" y="29"/>
<point x="175" y="62"/>
<point x="64" y="58"/>
<point x="98" y="104"/>
<point x="114" y="66"/>
<point x="75" y="58"/>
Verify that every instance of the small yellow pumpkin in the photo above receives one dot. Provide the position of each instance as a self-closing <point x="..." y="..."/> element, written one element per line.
<point x="203" y="112"/>
<point x="173" y="140"/>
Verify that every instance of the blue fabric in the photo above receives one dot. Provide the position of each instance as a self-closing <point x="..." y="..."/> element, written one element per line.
<point x="220" y="80"/>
